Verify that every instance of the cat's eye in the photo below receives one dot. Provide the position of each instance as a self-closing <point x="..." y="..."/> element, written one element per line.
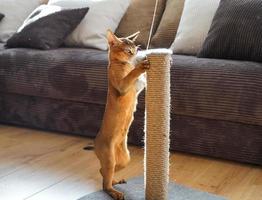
<point x="129" y="51"/>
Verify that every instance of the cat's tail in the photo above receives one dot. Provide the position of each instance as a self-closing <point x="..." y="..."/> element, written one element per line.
<point x="89" y="147"/>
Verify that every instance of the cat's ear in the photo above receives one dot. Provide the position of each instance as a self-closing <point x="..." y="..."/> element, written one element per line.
<point x="134" y="36"/>
<point x="111" y="38"/>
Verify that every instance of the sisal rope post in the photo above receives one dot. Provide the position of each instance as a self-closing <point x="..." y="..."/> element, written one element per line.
<point x="156" y="167"/>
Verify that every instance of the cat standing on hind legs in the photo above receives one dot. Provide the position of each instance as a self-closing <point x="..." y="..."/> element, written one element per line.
<point x="111" y="141"/>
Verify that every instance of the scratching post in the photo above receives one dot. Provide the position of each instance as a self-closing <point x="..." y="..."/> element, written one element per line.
<point x="156" y="167"/>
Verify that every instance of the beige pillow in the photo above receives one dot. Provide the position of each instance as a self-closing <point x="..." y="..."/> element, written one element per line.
<point x="166" y="31"/>
<point x="44" y="1"/>
<point x="102" y="15"/>
<point x="15" y="11"/>
<point x="194" y="25"/>
<point x="138" y="17"/>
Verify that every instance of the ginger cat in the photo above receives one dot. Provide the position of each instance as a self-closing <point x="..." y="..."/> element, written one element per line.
<point x="111" y="141"/>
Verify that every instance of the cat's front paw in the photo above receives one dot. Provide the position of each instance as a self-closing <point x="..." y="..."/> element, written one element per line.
<point x="144" y="65"/>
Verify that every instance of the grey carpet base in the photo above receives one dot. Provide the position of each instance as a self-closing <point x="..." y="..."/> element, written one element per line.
<point x="134" y="190"/>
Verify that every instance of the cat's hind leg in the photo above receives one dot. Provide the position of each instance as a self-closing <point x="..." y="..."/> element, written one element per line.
<point x="107" y="160"/>
<point x="122" y="158"/>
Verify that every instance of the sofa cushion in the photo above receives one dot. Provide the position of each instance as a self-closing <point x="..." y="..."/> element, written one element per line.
<point x="235" y="32"/>
<point x="44" y="1"/>
<point x="138" y="17"/>
<point x="2" y="46"/>
<point x="208" y="88"/>
<point x="102" y="15"/>
<point x="15" y="11"/>
<point x="194" y="26"/>
<point x="47" y="27"/>
<point x="166" y="31"/>
<point x="1" y="16"/>
<point x="217" y="89"/>
<point x="65" y="73"/>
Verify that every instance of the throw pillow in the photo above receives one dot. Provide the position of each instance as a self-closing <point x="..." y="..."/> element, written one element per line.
<point x="166" y="31"/>
<point x="194" y="26"/>
<point x="47" y="27"/>
<point x="44" y="1"/>
<point x="1" y="16"/>
<point x="15" y="11"/>
<point x="103" y="15"/>
<point x="236" y="31"/>
<point x="138" y="17"/>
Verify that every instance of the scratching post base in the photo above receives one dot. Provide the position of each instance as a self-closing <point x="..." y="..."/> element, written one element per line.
<point x="134" y="190"/>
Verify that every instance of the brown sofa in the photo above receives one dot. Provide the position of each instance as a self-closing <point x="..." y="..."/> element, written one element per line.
<point x="216" y="104"/>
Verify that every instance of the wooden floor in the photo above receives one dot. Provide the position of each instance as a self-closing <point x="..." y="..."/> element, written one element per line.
<point x="38" y="165"/>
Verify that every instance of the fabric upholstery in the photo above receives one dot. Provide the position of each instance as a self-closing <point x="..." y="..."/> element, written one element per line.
<point x="2" y="46"/>
<point x="214" y="89"/>
<point x="102" y="15"/>
<point x="60" y="115"/>
<point x="167" y="29"/>
<point x="15" y="11"/>
<point x="65" y="73"/>
<point x="1" y="16"/>
<point x="44" y="1"/>
<point x="194" y="25"/>
<point x="216" y="108"/>
<point x="217" y="89"/>
<point x="47" y="27"/>
<point x="235" y="32"/>
<point x="138" y="17"/>
<point x="216" y="138"/>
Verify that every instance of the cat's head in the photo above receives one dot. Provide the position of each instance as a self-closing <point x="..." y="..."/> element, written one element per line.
<point x="122" y="47"/>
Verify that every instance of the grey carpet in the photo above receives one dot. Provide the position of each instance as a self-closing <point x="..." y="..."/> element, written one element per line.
<point x="134" y="190"/>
